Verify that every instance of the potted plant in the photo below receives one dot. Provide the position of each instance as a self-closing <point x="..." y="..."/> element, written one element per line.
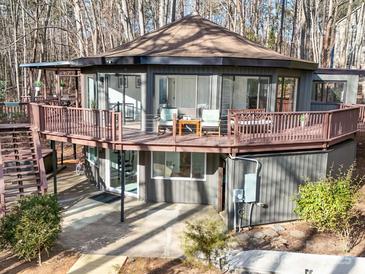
<point x="93" y="104"/>
<point x="62" y="85"/>
<point x="37" y="86"/>
<point x="302" y="119"/>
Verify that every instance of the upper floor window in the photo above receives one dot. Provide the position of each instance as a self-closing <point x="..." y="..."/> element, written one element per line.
<point x="286" y="94"/>
<point x="328" y="91"/>
<point x="245" y="92"/>
<point x="189" y="93"/>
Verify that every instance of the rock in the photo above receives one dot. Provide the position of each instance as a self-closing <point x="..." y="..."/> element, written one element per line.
<point x="258" y="235"/>
<point x="243" y="237"/>
<point x="297" y="234"/>
<point x="279" y="242"/>
<point x="278" y="228"/>
<point x="270" y="233"/>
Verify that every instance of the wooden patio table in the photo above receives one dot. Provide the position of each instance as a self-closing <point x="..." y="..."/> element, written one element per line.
<point x="195" y="122"/>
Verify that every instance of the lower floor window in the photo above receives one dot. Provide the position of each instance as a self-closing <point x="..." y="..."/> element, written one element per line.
<point x="178" y="165"/>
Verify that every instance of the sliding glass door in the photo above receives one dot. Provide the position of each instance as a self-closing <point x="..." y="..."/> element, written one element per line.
<point x="189" y="93"/>
<point x="113" y="172"/>
<point x="123" y="93"/>
<point x="286" y="94"/>
<point x="245" y="92"/>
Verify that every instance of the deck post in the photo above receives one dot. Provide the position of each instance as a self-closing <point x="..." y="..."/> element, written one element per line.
<point x="174" y="127"/>
<point x="235" y="129"/>
<point x="54" y="166"/>
<point x="74" y="151"/>
<point x="228" y="123"/>
<point x="61" y="153"/>
<point x="121" y="157"/>
<point x="2" y="186"/>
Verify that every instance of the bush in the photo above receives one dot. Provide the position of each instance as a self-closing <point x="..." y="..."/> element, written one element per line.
<point x="329" y="204"/>
<point x="31" y="227"/>
<point x="204" y="237"/>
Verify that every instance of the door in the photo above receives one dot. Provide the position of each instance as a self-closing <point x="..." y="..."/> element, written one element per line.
<point x="124" y="94"/>
<point x="113" y="172"/>
<point x="286" y="94"/>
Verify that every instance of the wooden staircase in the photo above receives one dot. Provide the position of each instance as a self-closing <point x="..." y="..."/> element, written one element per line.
<point x="22" y="169"/>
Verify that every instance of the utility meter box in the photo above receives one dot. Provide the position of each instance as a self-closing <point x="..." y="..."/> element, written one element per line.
<point x="250" y="189"/>
<point x="238" y="195"/>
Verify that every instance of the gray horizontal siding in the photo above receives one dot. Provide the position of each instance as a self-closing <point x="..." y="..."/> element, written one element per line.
<point x="280" y="176"/>
<point x="323" y="106"/>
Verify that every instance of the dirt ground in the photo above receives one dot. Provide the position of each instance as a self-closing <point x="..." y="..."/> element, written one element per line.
<point x="58" y="261"/>
<point x="162" y="266"/>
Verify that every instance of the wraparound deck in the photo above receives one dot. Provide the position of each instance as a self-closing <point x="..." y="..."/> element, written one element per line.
<point x="244" y="131"/>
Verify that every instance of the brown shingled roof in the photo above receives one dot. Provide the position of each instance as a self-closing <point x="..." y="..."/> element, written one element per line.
<point x="196" y="37"/>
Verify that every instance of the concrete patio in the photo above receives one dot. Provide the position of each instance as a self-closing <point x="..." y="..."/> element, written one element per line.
<point x="150" y="230"/>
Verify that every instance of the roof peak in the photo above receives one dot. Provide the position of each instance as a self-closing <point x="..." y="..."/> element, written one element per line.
<point x="194" y="36"/>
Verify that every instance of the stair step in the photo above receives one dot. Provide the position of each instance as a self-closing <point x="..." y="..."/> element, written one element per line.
<point x="17" y="173"/>
<point x="19" y="160"/>
<point x="17" y="186"/>
<point x="19" y="167"/>
<point x="7" y="195"/>
<point x="17" y="143"/>
<point x="18" y="154"/>
<point x="14" y="150"/>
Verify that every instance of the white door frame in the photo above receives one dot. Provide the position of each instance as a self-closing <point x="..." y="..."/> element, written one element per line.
<point x="107" y="176"/>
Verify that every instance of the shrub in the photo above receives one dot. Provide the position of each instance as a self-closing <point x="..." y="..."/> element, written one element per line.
<point x="31" y="227"/>
<point x="329" y="204"/>
<point x="204" y="237"/>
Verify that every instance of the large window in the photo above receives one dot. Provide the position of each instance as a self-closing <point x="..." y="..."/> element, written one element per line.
<point x="286" y="93"/>
<point x="178" y="165"/>
<point x="328" y="91"/>
<point x="245" y="92"/>
<point x="189" y="93"/>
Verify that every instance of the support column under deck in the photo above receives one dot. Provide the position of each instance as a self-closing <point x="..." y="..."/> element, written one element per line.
<point x="54" y="166"/>
<point x="121" y="160"/>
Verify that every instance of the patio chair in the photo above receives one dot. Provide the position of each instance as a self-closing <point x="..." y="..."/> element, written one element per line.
<point x="210" y="121"/>
<point x="166" y="119"/>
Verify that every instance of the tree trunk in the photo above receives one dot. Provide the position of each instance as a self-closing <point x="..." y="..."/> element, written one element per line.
<point x="281" y="26"/>
<point x="141" y="23"/>
<point x="346" y="36"/>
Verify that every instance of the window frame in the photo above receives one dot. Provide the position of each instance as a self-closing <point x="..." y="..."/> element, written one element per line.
<point x="295" y="95"/>
<point x="166" y="75"/>
<point x="258" y="76"/>
<point x="324" y="91"/>
<point x="180" y="178"/>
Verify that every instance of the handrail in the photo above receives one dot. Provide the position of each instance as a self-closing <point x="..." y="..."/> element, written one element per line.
<point x="361" y="118"/>
<point x="82" y="122"/>
<point x="2" y="186"/>
<point x="246" y="127"/>
<point x="293" y="127"/>
<point x="14" y="112"/>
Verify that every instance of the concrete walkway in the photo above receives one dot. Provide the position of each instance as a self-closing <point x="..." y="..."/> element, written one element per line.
<point x="96" y="264"/>
<point x="276" y="262"/>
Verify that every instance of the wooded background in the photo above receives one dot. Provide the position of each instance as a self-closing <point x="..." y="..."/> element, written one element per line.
<point x="50" y="30"/>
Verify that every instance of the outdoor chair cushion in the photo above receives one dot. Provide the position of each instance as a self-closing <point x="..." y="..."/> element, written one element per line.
<point x="167" y="114"/>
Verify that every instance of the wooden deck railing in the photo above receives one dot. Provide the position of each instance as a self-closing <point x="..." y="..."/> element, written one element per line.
<point x="78" y="122"/>
<point x="14" y="112"/>
<point x="361" y="117"/>
<point x="244" y="127"/>
<point x="291" y="127"/>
